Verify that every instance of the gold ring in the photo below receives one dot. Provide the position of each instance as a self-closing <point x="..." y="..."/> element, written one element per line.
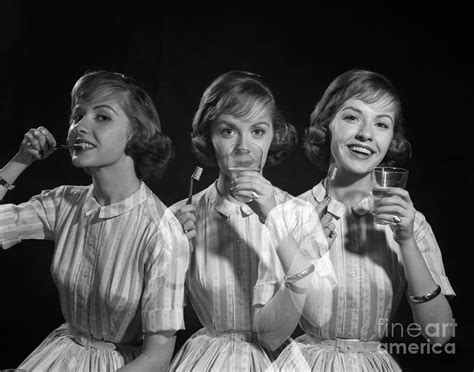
<point x="396" y="219"/>
<point x="254" y="195"/>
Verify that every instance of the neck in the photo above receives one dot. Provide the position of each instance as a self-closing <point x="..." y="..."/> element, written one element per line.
<point x="350" y="188"/>
<point x="112" y="185"/>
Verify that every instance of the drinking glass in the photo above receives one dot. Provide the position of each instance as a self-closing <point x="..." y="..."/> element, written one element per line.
<point x="386" y="177"/>
<point x="240" y="158"/>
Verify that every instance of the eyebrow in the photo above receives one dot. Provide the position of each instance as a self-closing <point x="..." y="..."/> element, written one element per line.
<point x="219" y="122"/>
<point x="360" y="112"/>
<point x="105" y="106"/>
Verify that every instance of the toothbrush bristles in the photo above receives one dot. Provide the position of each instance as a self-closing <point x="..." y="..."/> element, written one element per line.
<point x="197" y="173"/>
<point x="195" y="176"/>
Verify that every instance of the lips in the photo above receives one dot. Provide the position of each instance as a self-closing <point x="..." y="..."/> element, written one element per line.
<point x="83" y="145"/>
<point x="360" y="150"/>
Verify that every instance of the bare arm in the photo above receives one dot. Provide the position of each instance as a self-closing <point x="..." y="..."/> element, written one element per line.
<point x="37" y="144"/>
<point x="433" y="314"/>
<point x="277" y="319"/>
<point x="156" y="353"/>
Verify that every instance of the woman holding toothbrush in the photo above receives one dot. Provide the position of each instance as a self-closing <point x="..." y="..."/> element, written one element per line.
<point x="117" y="247"/>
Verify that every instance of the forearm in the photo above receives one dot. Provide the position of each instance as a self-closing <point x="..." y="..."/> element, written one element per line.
<point x="279" y="317"/>
<point x="145" y="363"/>
<point x="12" y="170"/>
<point x="434" y="314"/>
<point x="156" y="353"/>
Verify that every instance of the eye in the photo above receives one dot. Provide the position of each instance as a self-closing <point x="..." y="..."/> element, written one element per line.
<point x="259" y="132"/>
<point x="75" y="118"/>
<point x="350" y="118"/>
<point x="227" y="132"/>
<point x="101" y="117"/>
<point x="381" y="124"/>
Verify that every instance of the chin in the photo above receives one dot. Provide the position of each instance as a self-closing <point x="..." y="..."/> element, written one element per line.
<point x="79" y="164"/>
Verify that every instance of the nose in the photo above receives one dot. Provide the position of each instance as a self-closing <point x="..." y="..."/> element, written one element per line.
<point x="243" y="142"/>
<point x="365" y="131"/>
<point x="80" y="126"/>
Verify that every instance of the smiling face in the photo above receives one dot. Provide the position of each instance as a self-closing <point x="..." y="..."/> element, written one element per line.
<point x="361" y="134"/>
<point x="100" y="129"/>
<point x="229" y="131"/>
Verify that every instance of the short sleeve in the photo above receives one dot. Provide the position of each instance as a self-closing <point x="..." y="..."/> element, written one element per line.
<point x="165" y="272"/>
<point x="431" y="253"/>
<point x="34" y="219"/>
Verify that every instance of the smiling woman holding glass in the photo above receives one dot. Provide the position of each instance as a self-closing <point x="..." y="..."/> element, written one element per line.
<point x="355" y="127"/>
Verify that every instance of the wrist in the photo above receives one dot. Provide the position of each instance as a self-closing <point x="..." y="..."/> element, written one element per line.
<point x="23" y="158"/>
<point x="407" y="243"/>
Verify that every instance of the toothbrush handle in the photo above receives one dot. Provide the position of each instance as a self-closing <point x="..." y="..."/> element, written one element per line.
<point x="190" y="197"/>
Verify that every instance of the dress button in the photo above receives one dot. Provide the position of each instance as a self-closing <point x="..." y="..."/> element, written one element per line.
<point x="353" y="273"/>
<point x="86" y="274"/>
<point x="91" y="241"/>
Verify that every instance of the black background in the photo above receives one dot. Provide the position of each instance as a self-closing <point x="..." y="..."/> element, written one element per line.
<point x="45" y="49"/>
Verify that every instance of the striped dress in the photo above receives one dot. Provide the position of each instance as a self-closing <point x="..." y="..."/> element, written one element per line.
<point x="113" y="269"/>
<point x="370" y="283"/>
<point x="229" y="250"/>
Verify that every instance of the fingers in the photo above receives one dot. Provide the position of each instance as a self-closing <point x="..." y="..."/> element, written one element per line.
<point x="39" y="142"/>
<point x="185" y="208"/>
<point x="252" y="179"/>
<point x="391" y="192"/>
<point x="330" y="232"/>
<point x="322" y="207"/>
<point x="331" y="237"/>
<point x="184" y="217"/>
<point x="49" y="137"/>
<point x="326" y="218"/>
<point x="329" y="227"/>
<point x="190" y="234"/>
<point x="247" y="185"/>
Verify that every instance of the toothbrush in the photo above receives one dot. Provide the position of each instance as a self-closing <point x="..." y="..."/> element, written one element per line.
<point x="330" y="177"/>
<point x="195" y="176"/>
<point x="65" y="147"/>
<point x="70" y="147"/>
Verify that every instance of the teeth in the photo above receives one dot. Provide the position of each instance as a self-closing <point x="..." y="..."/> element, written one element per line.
<point x="361" y="149"/>
<point x="84" y="145"/>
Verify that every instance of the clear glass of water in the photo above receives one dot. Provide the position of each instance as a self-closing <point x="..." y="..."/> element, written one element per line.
<point x="385" y="178"/>
<point x="243" y="158"/>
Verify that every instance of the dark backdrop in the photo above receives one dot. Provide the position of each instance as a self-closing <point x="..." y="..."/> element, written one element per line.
<point x="45" y="49"/>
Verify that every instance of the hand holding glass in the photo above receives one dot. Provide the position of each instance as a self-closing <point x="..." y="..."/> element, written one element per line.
<point x="386" y="177"/>
<point x="239" y="158"/>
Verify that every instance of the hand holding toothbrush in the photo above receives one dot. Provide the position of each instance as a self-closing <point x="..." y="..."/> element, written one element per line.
<point x="322" y="209"/>
<point x="37" y="144"/>
<point x="186" y="214"/>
